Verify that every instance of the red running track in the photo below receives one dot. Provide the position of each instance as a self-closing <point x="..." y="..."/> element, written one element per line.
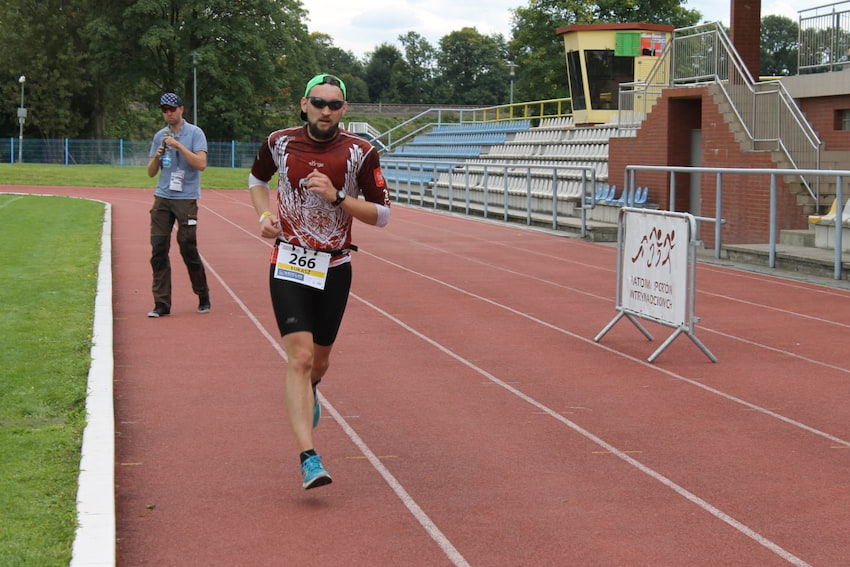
<point x="470" y="418"/>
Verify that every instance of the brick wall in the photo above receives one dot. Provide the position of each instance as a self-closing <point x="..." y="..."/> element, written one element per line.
<point x="823" y="113"/>
<point x="664" y="139"/>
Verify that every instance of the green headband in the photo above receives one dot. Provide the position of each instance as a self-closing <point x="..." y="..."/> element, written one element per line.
<point x="325" y="78"/>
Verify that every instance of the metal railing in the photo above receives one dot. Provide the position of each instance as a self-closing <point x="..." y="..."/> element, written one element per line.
<point x="493" y="194"/>
<point x="637" y="99"/>
<point x="551" y="108"/>
<point x="824" y="38"/>
<point x="704" y="55"/>
<point x="367" y="131"/>
<point x="540" y="109"/>
<point x="775" y="182"/>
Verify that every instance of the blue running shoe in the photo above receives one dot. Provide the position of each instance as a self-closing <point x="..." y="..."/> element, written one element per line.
<point x="314" y="473"/>
<point x="317" y="408"/>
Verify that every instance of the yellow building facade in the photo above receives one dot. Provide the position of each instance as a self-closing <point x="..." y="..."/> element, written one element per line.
<point x="601" y="56"/>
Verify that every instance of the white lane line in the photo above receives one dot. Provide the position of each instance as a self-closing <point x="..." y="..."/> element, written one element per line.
<point x="642" y="362"/>
<point x="727" y="272"/>
<point x="780" y="310"/>
<point x="693" y="498"/>
<point x="778" y="350"/>
<point x="468" y="259"/>
<point x="448" y="548"/>
<point x="424" y="520"/>
<point x="776" y="280"/>
<point x="10" y="201"/>
<point x="451" y="552"/>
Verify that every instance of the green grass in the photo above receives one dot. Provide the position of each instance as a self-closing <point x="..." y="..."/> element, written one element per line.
<point x="110" y="176"/>
<point x="51" y="249"/>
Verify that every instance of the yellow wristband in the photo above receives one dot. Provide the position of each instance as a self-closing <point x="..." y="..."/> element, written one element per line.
<point x="264" y="215"/>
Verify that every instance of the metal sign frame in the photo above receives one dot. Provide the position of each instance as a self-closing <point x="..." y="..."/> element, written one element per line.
<point x="658" y="249"/>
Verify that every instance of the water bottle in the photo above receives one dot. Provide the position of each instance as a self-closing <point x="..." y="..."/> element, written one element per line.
<point x="166" y="158"/>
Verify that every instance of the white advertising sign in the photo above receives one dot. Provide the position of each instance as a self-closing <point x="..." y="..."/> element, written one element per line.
<point x="655" y="266"/>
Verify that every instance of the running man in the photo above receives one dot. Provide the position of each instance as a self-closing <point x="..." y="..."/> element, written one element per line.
<point x="323" y="171"/>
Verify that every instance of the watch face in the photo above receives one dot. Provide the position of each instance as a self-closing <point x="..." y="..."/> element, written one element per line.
<point x="340" y="194"/>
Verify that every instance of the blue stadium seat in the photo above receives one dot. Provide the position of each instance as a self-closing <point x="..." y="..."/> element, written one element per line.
<point x="603" y="193"/>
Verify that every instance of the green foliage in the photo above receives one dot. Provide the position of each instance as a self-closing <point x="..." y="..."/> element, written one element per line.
<point x="47" y="295"/>
<point x="96" y="69"/>
<point x="54" y="84"/>
<point x="473" y="68"/>
<point x="539" y="52"/>
<point x="416" y="75"/>
<point x="332" y="59"/>
<point x="669" y="12"/>
<point x="90" y="65"/>
<point x="779" y="46"/>
<point x="381" y="73"/>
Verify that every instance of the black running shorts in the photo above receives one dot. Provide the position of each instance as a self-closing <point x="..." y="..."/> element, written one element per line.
<point x="299" y="307"/>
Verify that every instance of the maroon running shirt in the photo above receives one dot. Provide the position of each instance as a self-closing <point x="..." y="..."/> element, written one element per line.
<point x="308" y="220"/>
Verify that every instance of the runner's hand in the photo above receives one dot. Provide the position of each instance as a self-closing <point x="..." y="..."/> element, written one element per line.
<point x="270" y="227"/>
<point x="320" y="184"/>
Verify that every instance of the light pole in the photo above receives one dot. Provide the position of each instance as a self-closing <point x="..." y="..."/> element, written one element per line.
<point x="22" y="115"/>
<point x="195" y="88"/>
<point x="512" y="66"/>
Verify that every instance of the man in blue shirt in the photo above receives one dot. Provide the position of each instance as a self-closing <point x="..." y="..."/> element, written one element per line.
<point x="179" y="151"/>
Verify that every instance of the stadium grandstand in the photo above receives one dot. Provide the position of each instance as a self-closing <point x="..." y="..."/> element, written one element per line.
<point x="755" y="161"/>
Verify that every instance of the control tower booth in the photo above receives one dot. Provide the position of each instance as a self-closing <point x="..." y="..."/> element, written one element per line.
<point x="601" y="56"/>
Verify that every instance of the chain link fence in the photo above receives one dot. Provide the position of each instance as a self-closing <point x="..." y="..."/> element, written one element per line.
<point x="116" y="152"/>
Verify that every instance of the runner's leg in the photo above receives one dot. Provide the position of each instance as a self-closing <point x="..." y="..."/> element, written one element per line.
<point x="299" y="392"/>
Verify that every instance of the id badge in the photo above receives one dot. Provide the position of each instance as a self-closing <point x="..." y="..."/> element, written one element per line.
<point x="301" y="265"/>
<point x="176" y="181"/>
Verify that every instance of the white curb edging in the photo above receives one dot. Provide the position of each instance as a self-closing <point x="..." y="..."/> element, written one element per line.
<point x="94" y="542"/>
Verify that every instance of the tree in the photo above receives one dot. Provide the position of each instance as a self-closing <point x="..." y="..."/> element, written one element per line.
<point x="779" y="46"/>
<point x="381" y="73"/>
<point x="670" y="12"/>
<point x="473" y="68"/>
<point x="343" y="64"/>
<point x="332" y="59"/>
<point x="251" y="53"/>
<point x="92" y="64"/>
<point x="416" y="76"/>
<point x="43" y="41"/>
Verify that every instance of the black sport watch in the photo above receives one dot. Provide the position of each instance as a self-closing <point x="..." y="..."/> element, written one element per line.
<point x="340" y="197"/>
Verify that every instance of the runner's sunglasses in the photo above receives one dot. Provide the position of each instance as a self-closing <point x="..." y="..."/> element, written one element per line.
<point x="319" y="102"/>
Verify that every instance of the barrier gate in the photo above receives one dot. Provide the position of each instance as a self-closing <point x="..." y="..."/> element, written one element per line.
<point x="656" y="273"/>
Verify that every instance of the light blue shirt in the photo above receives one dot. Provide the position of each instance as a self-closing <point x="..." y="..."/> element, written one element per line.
<point x="195" y="140"/>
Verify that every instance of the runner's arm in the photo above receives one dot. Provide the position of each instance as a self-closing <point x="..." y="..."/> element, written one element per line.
<point x="366" y="211"/>
<point x="269" y="223"/>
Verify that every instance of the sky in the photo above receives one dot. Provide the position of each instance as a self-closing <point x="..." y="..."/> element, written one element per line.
<point x="360" y="26"/>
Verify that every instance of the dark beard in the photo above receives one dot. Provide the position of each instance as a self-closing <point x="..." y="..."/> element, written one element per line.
<point x="321" y="135"/>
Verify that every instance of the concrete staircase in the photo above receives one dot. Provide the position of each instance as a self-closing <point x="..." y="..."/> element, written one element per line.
<point x="796" y="251"/>
<point x="832" y="159"/>
<point x="829" y="160"/>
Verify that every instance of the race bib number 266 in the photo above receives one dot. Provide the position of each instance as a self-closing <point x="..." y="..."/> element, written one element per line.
<point x="300" y="265"/>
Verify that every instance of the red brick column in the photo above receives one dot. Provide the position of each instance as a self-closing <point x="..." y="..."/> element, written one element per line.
<point x="746" y="33"/>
